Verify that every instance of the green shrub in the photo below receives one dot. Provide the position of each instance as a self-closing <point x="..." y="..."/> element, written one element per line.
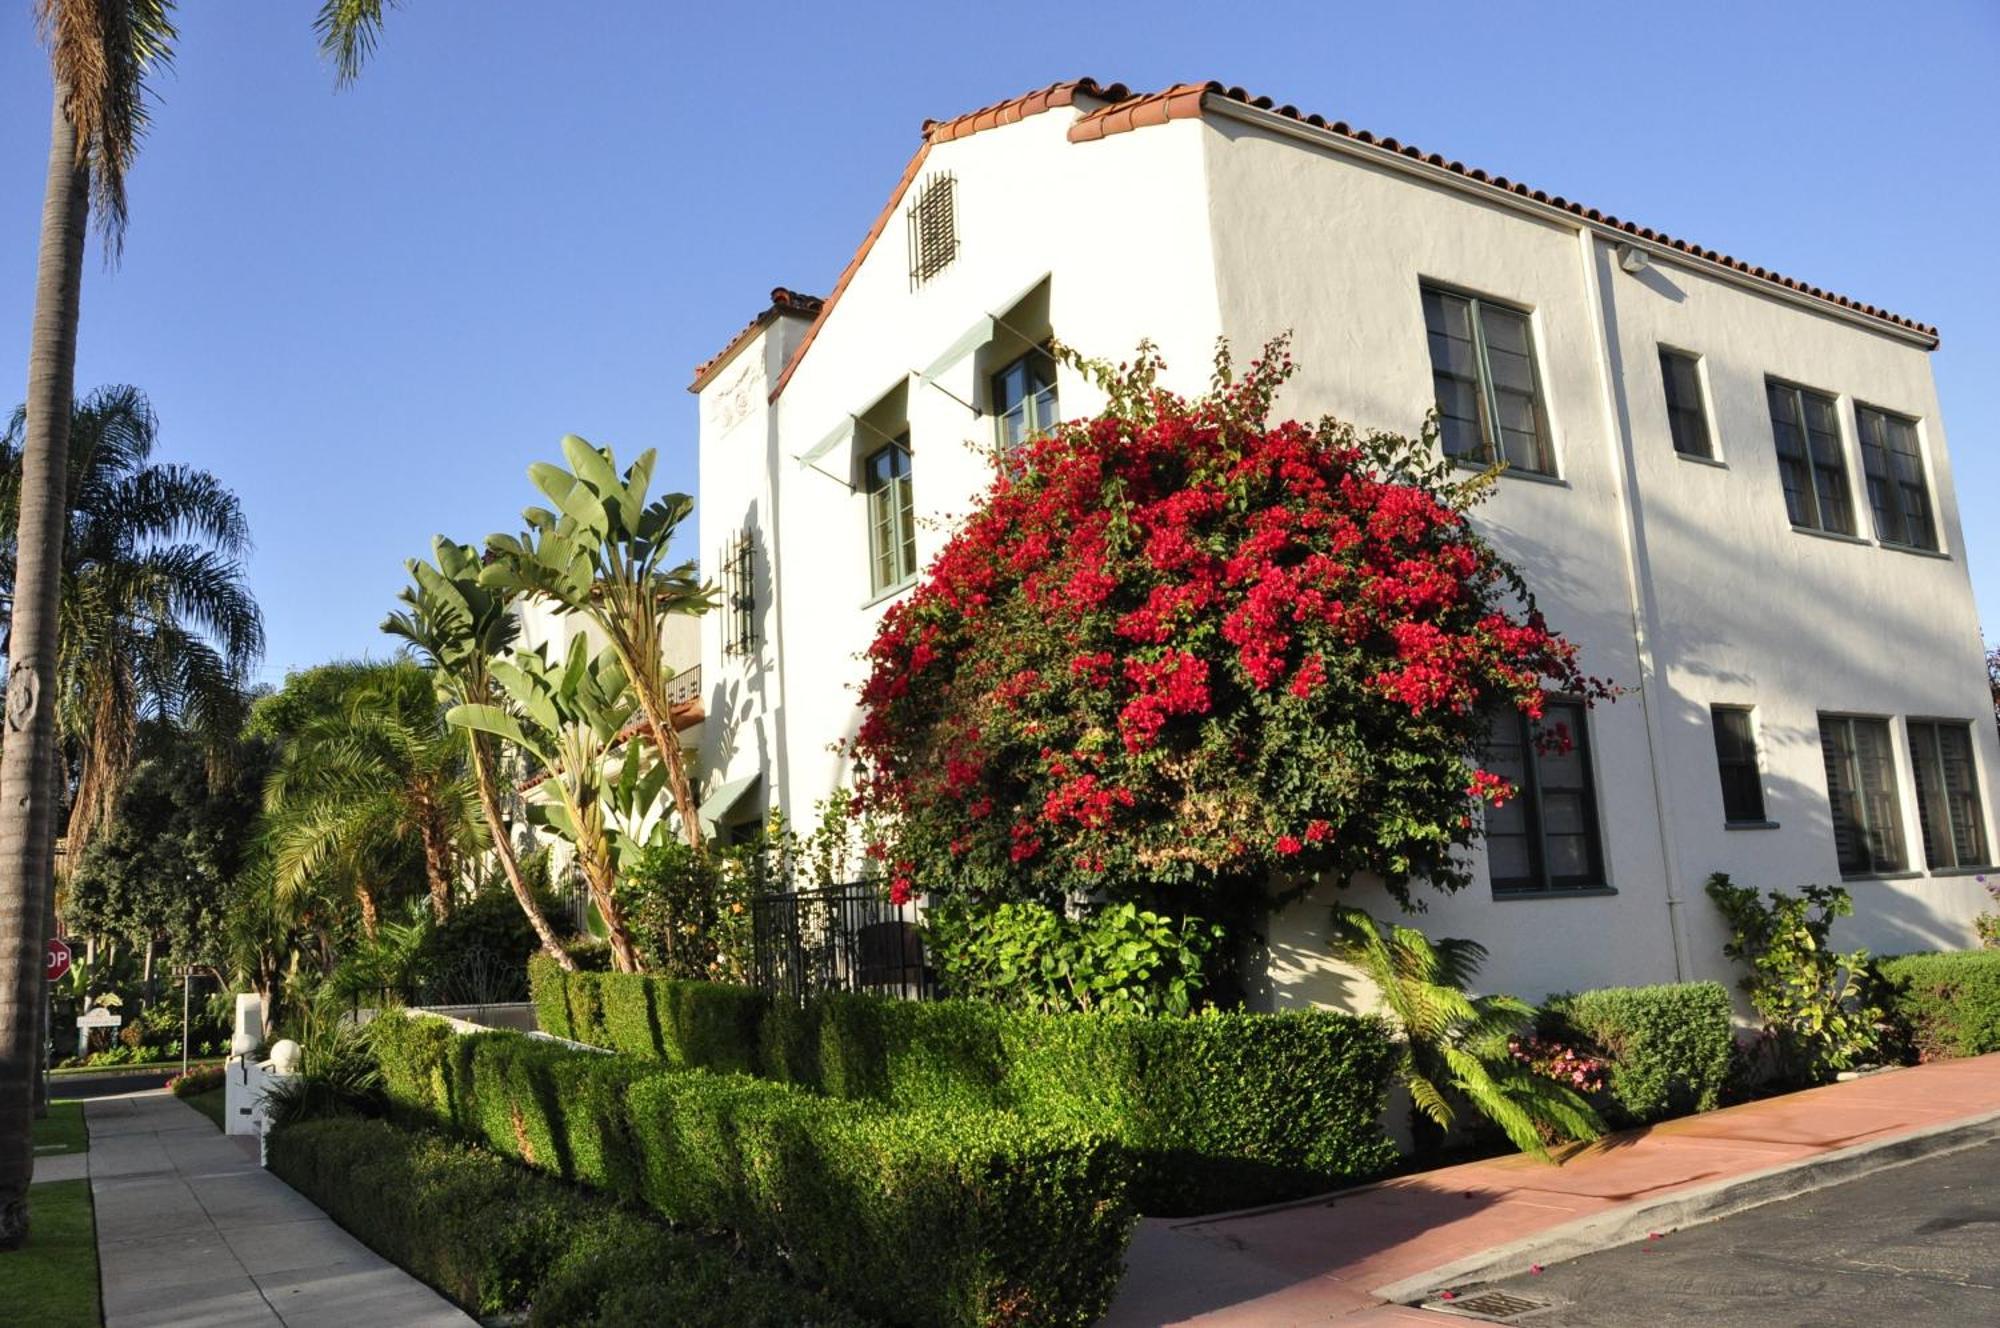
<point x="499" y="1240"/>
<point x="1949" y="1002"/>
<point x="938" y="1216"/>
<point x="1218" y="1110"/>
<point x="1668" y="1046"/>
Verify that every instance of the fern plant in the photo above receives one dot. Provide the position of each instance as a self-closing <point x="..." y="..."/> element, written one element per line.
<point x="1454" y="1046"/>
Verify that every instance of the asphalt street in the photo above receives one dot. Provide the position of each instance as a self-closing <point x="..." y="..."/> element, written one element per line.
<point x="1916" y="1246"/>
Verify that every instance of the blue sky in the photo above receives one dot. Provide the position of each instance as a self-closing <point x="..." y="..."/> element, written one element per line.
<point x="369" y="311"/>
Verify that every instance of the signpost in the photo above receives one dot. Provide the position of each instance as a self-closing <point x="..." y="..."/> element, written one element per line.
<point x="56" y="962"/>
<point x="96" y="1018"/>
<point x="187" y="986"/>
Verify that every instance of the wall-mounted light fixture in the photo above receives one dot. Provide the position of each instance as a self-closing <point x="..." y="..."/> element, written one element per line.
<point x="1632" y="258"/>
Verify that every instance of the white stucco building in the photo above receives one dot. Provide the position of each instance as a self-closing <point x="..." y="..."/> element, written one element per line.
<point x="1731" y="489"/>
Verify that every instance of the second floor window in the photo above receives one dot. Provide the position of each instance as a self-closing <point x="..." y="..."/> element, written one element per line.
<point x="1488" y="394"/>
<point x="1024" y="398"/>
<point x="892" y="524"/>
<point x="739" y="595"/>
<point x="1894" y="467"/>
<point x="1810" y="461"/>
<point x="1736" y="760"/>
<point x="1861" y="786"/>
<point x="1950" y="816"/>
<point x="1682" y="374"/>
<point x="1544" y="838"/>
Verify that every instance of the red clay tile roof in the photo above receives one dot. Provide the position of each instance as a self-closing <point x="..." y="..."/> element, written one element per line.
<point x="1188" y="100"/>
<point x="1122" y="110"/>
<point x="782" y="302"/>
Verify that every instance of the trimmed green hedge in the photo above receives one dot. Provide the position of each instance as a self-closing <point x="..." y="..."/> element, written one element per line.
<point x="498" y="1239"/>
<point x="1218" y="1110"/>
<point x="947" y="1215"/>
<point x="1950" y="1001"/>
<point x="1669" y="1046"/>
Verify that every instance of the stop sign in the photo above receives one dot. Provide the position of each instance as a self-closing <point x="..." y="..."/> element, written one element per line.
<point x="56" y="962"/>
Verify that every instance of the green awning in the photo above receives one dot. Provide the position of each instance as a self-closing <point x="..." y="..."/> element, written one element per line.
<point x="723" y="801"/>
<point x="841" y="433"/>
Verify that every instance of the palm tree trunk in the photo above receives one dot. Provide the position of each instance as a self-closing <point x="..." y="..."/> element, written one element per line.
<point x="371" y="916"/>
<point x="503" y="848"/>
<point x="598" y="875"/>
<point x="27" y="762"/>
<point x="659" y="725"/>
<point x="437" y="861"/>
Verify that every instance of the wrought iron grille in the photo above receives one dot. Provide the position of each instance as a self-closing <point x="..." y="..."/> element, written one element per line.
<point x="739" y="595"/>
<point x="933" y="223"/>
<point x="843" y="938"/>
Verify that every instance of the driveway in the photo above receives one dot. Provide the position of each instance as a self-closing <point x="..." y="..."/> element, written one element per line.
<point x="1916" y="1246"/>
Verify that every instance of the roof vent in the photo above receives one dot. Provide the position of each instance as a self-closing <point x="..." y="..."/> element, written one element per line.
<point x="933" y="221"/>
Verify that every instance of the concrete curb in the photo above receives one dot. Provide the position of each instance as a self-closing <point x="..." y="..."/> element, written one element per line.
<point x="1684" y="1208"/>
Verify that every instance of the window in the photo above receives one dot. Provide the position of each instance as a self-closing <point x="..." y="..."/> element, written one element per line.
<point x="1024" y="398"/>
<point x="739" y="595"/>
<point x="1861" y="785"/>
<point x="1488" y="395"/>
<point x="1948" y="805"/>
<point x="1894" y="468"/>
<point x="1682" y="374"/>
<point x="1545" y="837"/>
<point x="1736" y="759"/>
<point x="1807" y="430"/>
<point x="892" y="526"/>
<point x="933" y="225"/>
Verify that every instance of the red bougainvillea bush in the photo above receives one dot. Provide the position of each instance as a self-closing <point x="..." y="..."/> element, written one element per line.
<point x="1178" y="649"/>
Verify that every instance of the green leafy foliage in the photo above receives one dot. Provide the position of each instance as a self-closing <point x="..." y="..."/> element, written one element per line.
<point x="499" y="1239"/>
<point x="1216" y="1110"/>
<point x="1120" y="959"/>
<point x="937" y="1217"/>
<point x="1948" y="1003"/>
<point x="1455" y="1047"/>
<point x="689" y="910"/>
<point x="1669" y="1046"/>
<point x="1819" y="1007"/>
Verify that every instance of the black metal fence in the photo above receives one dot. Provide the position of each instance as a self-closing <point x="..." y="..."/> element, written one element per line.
<point x="842" y="938"/>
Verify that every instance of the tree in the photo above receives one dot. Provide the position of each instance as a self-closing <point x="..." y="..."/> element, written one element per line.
<point x="1454" y="1044"/>
<point x="1178" y="652"/>
<point x="101" y="53"/>
<point x="601" y="553"/>
<point x="458" y="627"/>
<point x="570" y="717"/>
<point x="366" y="788"/>
<point x="154" y="617"/>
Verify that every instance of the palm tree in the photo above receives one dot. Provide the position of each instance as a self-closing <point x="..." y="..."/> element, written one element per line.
<point x="100" y="55"/>
<point x="458" y="627"/>
<point x="1455" y="1044"/>
<point x="362" y="791"/>
<point x="570" y="717"/>
<point x="602" y="553"/>
<point x="154" y="619"/>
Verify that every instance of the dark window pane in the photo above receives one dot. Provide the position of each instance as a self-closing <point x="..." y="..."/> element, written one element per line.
<point x="1951" y="817"/>
<point x="1024" y="398"/>
<point x="1897" y="489"/>
<point x="892" y="546"/>
<point x="1544" y="838"/>
<point x="1685" y="416"/>
<point x="1483" y="371"/>
<point x="1861" y="788"/>
<point x="1736" y="761"/>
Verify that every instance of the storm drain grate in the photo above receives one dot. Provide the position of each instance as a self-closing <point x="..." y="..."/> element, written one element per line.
<point x="1492" y="1306"/>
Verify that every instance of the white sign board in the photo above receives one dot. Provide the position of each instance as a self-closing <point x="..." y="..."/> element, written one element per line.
<point x="99" y="1018"/>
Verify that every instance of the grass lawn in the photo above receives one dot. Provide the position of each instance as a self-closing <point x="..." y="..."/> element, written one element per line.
<point x="51" y="1281"/>
<point x="208" y="1104"/>
<point x="61" y="1131"/>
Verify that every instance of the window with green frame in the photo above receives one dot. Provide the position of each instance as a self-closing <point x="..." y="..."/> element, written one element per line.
<point x="1489" y="396"/>
<point x="1811" y="460"/>
<point x="1893" y="464"/>
<point x="1024" y="398"/>
<point x="1544" y="839"/>
<point x="1950" y="814"/>
<point x="1861" y="788"/>
<point x="892" y="525"/>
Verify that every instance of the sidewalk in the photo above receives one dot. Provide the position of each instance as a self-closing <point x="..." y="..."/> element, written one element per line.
<point x="1324" y="1259"/>
<point x="190" y="1231"/>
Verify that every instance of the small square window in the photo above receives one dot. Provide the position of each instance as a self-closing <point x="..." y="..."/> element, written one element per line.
<point x="1681" y="372"/>
<point x="1736" y="761"/>
<point x="1489" y="398"/>
<point x="933" y="225"/>
<point x="1894" y="467"/>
